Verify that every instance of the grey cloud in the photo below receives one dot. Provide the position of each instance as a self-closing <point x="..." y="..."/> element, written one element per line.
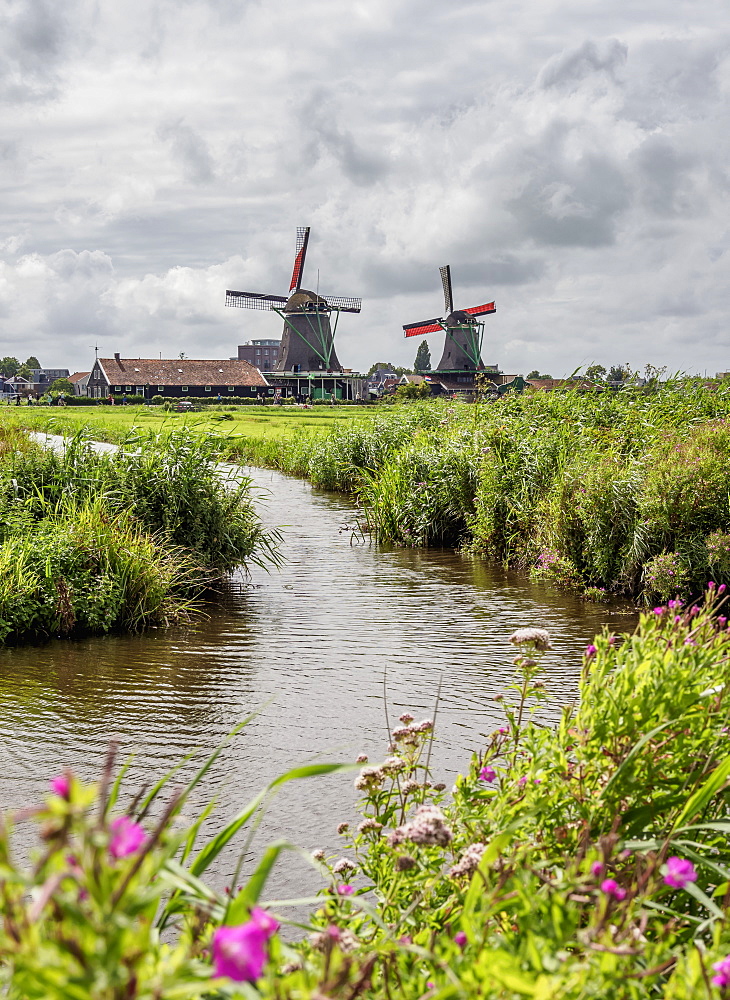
<point x="190" y="149"/>
<point x="566" y="201"/>
<point x="323" y="133"/>
<point x="506" y="269"/>
<point x="33" y="42"/>
<point x="668" y="179"/>
<point x="579" y="62"/>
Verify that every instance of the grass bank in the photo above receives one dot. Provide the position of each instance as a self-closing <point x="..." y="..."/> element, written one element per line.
<point x="94" y="543"/>
<point x="588" y="860"/>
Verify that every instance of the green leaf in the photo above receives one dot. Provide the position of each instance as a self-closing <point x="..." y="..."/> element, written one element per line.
<point x="251" y="893"/>
<point x="213" y="848"/>
<point x="695" y="891"/>
<point x="701" y="797"/>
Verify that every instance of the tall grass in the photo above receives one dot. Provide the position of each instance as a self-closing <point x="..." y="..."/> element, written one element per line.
<point x="602" y="492"/>
<point x="93" y="542"/>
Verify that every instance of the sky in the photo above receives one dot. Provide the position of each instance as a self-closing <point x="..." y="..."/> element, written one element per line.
<point x="568" y="158"/>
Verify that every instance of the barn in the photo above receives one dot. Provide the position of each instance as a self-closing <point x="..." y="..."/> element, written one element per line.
<point x="180" y="377"/>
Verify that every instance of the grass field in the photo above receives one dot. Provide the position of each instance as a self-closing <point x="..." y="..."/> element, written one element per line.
<point x="113" y="424"/>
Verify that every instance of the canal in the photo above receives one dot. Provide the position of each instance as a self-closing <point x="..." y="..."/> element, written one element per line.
<point x="312" y="647"/>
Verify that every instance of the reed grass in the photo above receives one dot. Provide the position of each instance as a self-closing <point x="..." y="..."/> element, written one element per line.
<point x="94" y="543"/>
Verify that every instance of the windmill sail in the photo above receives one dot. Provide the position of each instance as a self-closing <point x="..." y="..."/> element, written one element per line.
<point x="488" y="307"/>
<point x="301" y="253"/>
<point x="448" y="296"/>
<point x="419" y="329"/>
<point x="253" y="300"/>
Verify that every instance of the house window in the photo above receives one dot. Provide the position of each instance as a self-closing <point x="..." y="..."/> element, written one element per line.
<point x="117" y="388"/>
<point x="231" y="388"/>
<point x="184" y="388"/>
<point x="160" y="388"/>
<point x="129" y="388"/>
<point x="140" y="390"/>
<point x="207" y="388"/>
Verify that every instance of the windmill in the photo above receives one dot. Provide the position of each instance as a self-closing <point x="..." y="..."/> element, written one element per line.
<point x="464" y="334"/>
<point x="308" y="342"/>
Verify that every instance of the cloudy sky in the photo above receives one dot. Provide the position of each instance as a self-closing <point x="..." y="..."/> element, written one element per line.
<point x="568" y="158"/>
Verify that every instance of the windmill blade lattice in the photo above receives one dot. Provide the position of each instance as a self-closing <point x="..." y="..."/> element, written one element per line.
<point x="301" y="253"/>
<point x="448" y="294"/>
<point x="488" y="307"/>
<point x="344" y="304"/>
<point x="252" y="300"/>
<point x="419" y="329"/>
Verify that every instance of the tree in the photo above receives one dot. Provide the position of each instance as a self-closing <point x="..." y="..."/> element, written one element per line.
<point x="618" y="373"/>
<point x="32" y="362"/>
<point x="9" y="367"/>
<point x="423" y="358"/>
<point x="536" y="374"/>
<point x="387" y="366"/>
<point x="62" y="385"/>
<point x="413" y="391"/>
<point x="596" y="372"/>
<point x="25" y="372"/>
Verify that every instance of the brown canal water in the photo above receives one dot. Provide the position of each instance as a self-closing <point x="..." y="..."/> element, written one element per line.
<point x="308" y="646"/>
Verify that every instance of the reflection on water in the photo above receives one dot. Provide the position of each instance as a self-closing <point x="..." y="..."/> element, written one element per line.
<point x="307" y="645"/>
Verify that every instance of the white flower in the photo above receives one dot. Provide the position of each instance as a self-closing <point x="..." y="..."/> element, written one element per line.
<point x="537" y="637"/>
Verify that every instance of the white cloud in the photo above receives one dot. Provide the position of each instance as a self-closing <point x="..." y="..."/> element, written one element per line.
<point x="569" y="160"/>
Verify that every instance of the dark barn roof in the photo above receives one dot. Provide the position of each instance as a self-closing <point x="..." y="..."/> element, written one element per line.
<point x="180" y="371"/>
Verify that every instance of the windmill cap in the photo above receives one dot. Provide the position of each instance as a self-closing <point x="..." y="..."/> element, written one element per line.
<point x="302" y="300"/>
<point x="459" y="317"/>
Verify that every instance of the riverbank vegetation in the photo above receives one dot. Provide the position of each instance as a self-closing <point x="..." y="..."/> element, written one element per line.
<point x="95" y="543"/>
<point x="586" y="860"/>
<point x="623" y="492"/>
<point x="606" y="492"/>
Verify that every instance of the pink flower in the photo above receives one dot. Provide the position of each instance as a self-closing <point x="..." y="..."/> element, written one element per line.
<point x="345" y="890"/>
<point x="239" y="952"/>
<point x="611" y="887"/>
<point x="127" y="837"/>
<point x="502" y="731"/>
<point x="460" y="938"/>
<point x="590" y="651"/>
<point x="679" y="872"/>
<point x="597" y="869"/>
<point x="487" y="774"/>
<point x="522" y="781"/>
<point x="61" y="785"/>
<point x="722" y="968"/>
<point x="264" y="921"/>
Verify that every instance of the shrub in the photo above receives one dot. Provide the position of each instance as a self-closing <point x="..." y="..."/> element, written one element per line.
<point x="665" y="576"/>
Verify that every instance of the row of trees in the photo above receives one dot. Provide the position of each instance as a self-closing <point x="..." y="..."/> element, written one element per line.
<point x="11" y="366"/>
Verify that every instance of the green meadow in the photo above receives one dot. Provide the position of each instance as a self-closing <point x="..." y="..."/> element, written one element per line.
<point x="115" y="423"/>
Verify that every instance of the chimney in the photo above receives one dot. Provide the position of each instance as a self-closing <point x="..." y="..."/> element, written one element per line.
<point x="118" y="360"/>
